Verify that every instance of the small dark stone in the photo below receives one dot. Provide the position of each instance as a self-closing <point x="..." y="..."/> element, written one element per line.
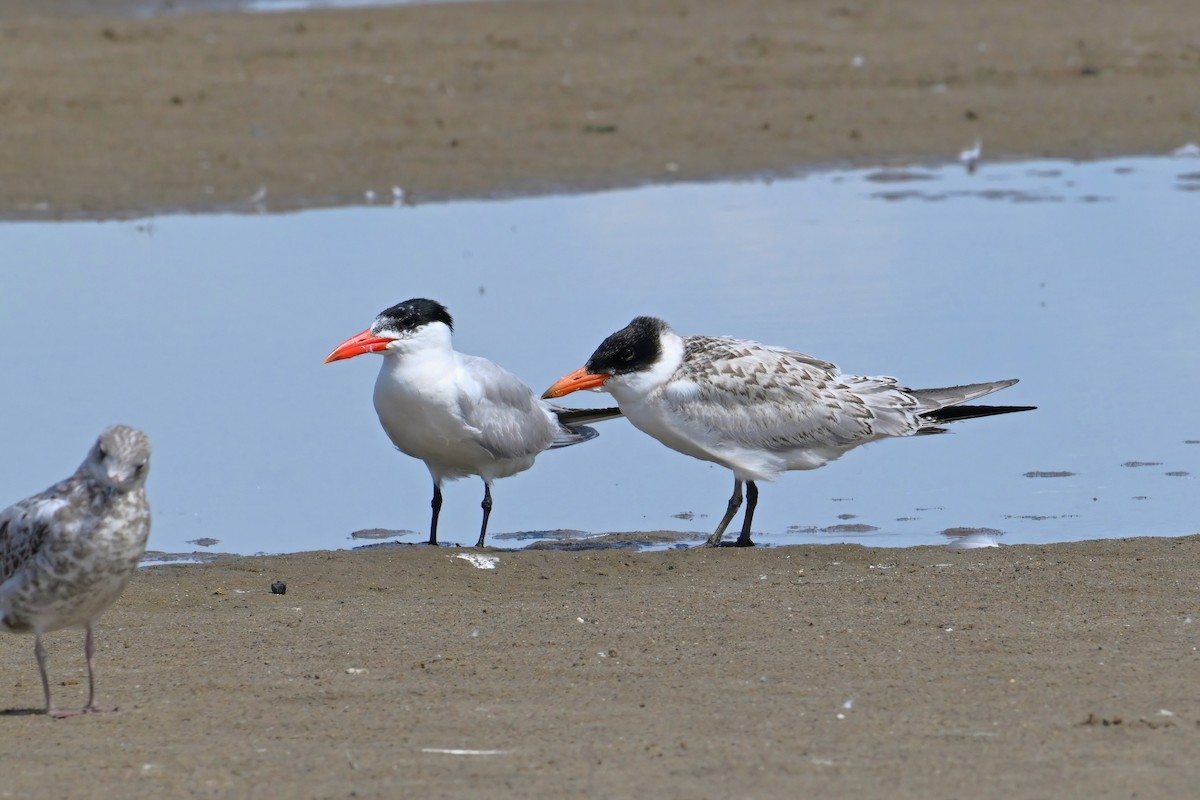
<point x="278" y="587"/>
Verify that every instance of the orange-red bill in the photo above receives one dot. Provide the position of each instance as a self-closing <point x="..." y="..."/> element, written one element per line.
<point x="579" y="379"/>
<point x="364" y="342"/>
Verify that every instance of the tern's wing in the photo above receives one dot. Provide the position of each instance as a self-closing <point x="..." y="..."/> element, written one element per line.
<point x="509" y="420"/>
<point x="24" y="527"/>
<point x="769" y="398"/>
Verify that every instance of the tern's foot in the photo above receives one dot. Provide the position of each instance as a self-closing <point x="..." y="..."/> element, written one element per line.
<point x="740" y="542"/>
<point x="95" y="709"/>
<point x="61" y="713"/>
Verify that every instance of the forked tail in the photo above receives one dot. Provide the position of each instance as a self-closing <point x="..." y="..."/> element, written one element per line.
<point x="944" y="405"/>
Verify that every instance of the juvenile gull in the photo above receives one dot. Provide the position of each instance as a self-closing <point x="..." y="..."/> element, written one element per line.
<point x="66" y="554"/>
<point x="756" y="409"/>
<point x="462" y="415"/>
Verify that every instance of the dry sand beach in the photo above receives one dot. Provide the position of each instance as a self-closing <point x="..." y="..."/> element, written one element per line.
<point x="107" y="115"/>
<point x="817" y="671"/>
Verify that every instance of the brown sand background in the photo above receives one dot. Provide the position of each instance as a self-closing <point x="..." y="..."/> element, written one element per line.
<point x="105" y="115"/>
<point x="1058" y="671"/>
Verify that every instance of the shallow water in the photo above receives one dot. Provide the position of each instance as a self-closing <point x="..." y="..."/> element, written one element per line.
<point x="209" y="333"/>
<point x="155" y="7"/>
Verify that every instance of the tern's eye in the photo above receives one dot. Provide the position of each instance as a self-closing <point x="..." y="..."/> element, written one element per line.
<point x="140" y="468"/>
<point x="625" y="355"/>
<point x="100" y="451"/>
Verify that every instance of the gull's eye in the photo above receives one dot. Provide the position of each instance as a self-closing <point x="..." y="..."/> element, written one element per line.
<point x="100" y="451"/>
<point x="140" y="468"/>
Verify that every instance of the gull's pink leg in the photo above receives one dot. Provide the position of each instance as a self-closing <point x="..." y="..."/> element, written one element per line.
<point x="40" y="652"/>
<point x="89" y="650"/>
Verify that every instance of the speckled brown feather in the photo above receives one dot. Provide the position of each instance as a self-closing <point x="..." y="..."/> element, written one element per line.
<point x="777" y="399"/>
<point x="19" y="540"/>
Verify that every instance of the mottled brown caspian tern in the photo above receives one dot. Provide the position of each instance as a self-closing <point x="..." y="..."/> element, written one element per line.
<point x="755" y="409"/>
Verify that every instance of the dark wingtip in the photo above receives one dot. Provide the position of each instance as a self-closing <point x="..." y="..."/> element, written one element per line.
<point x="959" y="413"/>
<point x="571" y="417"/>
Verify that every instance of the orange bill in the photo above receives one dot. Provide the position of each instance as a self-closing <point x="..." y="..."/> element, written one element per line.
<point x="579" y="379"/>
<point x="356" y="345"/>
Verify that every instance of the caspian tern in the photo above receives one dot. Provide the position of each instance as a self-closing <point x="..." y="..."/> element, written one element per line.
<point x="66" y="554"/>
<point x="756" y="409"/>
<point x="462" y="415"/>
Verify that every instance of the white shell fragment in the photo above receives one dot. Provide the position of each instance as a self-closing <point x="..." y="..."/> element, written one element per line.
<point x="478" y="561"/>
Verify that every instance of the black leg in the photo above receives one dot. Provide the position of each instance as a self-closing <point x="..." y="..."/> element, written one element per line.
<point x="486" y="505"/>
<point x="436" y="505"/>
<point x="735" y="502"/>
<point x="751" y="502"/>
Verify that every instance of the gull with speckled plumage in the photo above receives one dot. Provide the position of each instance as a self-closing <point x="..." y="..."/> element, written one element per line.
<point x="67" y="553"/>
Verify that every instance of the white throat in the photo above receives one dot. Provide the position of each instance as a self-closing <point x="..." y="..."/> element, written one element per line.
<point x="432" y="337"/>
<point x="418" y="362"/>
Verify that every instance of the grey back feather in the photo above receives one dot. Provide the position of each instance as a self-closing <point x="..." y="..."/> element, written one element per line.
<point x="507" y="415"/>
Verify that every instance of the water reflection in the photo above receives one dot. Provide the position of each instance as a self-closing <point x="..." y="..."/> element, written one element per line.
<point x="208" y="332"/>
<point x="156" y="7"/>
<point x="972" y="538"/>
<point x="267" y="6"/>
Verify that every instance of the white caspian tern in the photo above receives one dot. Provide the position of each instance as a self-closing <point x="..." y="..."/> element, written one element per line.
<point x="462" y="415"/>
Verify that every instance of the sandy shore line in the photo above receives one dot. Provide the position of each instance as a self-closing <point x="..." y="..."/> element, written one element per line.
<point x="820" y="671"/>
<point x="808" y="671"/>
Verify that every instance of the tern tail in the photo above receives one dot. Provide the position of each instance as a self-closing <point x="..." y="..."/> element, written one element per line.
<point x="943" y="405"/>
<point x="575" y="434"/>
<point x="572" y="422"/>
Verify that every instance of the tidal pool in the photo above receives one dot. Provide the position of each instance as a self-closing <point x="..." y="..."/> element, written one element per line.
<point x="208" y="331"/>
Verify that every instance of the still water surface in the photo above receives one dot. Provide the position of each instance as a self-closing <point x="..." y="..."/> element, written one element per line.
<point x="156" y="7"/>
<point x="209" y="332"/>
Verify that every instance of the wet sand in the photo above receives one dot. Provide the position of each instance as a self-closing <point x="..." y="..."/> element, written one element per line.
<point x="831" y="671"/>
<point x="836" y="671"/>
